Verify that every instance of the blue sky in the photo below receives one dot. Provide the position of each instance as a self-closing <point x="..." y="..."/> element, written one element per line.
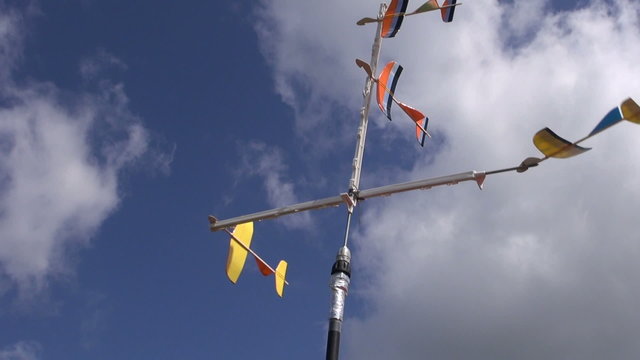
<point x="122" y="126"/>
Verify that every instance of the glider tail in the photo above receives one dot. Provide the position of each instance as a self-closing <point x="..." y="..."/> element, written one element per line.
<point x="281" y="277"/>
<point x="420" y="120"/>
<point x="421" y="130"/>
<point x="630" y="111"/>
<point x="280" y="273"/>
<point x="447" y="10"/>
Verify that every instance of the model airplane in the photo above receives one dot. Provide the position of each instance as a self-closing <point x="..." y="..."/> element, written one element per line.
<point x="387" y="82"/>
<point x="550" y="144"/>
<point x="240" y="247"/>
<point x="553" y="146"/>
<point x="396" y="12"/>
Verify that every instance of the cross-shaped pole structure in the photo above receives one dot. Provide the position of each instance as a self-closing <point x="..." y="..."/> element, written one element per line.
<point x="550" y="144"/>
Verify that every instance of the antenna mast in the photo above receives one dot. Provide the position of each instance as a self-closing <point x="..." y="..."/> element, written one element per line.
<point x="341" y="269"/>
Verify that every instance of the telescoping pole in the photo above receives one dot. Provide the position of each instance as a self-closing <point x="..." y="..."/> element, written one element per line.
<point x="340" y="279"/>
<point x="341" y="269"/>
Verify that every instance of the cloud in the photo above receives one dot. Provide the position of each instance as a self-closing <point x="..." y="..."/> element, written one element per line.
<point x="306" y="70"/>
<point x="93" y="66"/>
<point x="537" y="265"/>
<point x="23" y="350"/>
<point x="259" y="159"/>
<point x="61" y="154"/>
<point x="94" y="322"/>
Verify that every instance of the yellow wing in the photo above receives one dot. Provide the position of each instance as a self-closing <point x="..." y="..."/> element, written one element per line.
<point x="552" y="145"/>
<point x="238" y="253"/>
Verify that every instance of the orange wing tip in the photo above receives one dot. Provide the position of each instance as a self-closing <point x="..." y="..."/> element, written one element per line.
<point x="280" y="275"/>
<point x="552" y="145"/>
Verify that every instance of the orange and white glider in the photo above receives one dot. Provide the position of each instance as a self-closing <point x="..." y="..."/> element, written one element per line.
<point x="397" y="10"/>
<point x="385" y="96"/>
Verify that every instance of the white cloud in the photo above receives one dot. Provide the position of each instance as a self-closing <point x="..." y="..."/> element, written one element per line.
<point x="259" y="159"/>
<point x="60" y="159"/>
<point x="538" y="265"/>
<point x="93" y="66"/>
<point x="23" y="350"/>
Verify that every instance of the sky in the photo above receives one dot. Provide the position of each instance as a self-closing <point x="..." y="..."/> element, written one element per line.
<point x="123" y="125"/>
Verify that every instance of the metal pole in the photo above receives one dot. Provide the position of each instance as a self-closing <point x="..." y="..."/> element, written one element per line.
<point x="349" y="200"/>
<point x="354" y="182"/>
<point x="341" y="269"/>
<point x="339" y="284"/>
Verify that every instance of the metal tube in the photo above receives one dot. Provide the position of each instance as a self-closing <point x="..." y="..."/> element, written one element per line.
<point x="333" y="339"/>
<point x="477" y="176"/>
<point x="216" y="225"/>
<point x="346" y="230"/>
<point x="354" y="182"/>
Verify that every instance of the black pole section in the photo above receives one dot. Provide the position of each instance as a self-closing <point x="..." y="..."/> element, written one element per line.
<point x="333" y="341"/>
<point x="339" y="284"/>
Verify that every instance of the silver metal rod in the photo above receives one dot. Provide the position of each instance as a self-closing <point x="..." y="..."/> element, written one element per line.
<point x="354" y="182"/>
<point x="346" y="230"/>
<point x="516" y="168"/>
<point x="477" y="176"/>
<point x="273" y="213"/>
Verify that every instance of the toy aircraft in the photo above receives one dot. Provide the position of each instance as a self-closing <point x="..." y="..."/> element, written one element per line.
<point x="553" y="146"/>
<point x="239" y="248"/>
<point x="550" y="144"/>
<point x="387" y="82"/>
<point x="396" y="12"/>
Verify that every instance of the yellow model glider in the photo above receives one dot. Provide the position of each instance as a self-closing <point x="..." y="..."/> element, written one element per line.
<point x="240" y="247"/>
<point x="552" y="145"/>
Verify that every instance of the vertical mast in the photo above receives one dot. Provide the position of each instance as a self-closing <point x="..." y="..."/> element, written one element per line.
<point x="341" y="269"/>
<point x="354" y="182"/>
